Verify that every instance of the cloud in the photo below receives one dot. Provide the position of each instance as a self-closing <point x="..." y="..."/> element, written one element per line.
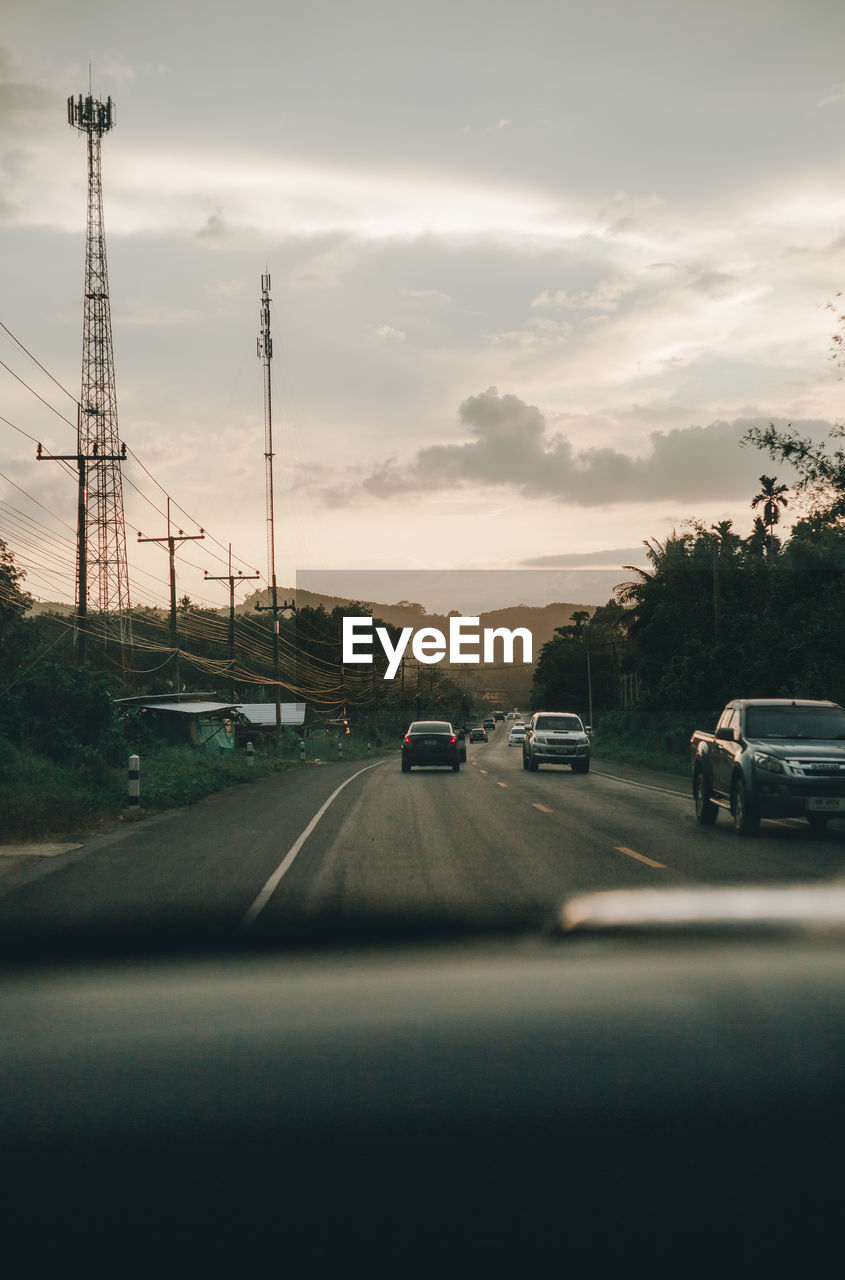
<point x="426" y="295"/>
<point x="387" y="334"/>
<point x="155" y="314"/>
<point x="215" y="227"/>
<point x="538" y="334"/>
<point x="19" y="100"/>
<point x="605" y="297"/>
<point x="612" y="559"/>
<point x="511" y="447"/>
<point x="835" y="98"/>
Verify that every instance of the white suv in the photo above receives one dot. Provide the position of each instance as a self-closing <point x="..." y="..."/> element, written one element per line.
<point x="556" y="737"/>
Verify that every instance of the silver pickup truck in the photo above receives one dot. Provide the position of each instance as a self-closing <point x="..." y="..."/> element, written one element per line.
<point x="771" y="758"/>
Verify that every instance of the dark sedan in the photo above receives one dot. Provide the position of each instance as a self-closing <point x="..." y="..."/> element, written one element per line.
<point x="430" y="742"/>
<point x="478" y="735"/>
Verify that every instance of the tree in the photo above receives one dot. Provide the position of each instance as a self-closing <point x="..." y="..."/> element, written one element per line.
<point x="755" y="543"/>
<point x="578" y="668"/>
<point x="771" y="498"/>
<point x="14" y="605"/>
<point x="821" y="468"/>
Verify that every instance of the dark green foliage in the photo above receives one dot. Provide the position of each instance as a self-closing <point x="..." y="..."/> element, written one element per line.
<point x="657" y="740"/>
<point x="715" y="617"/>
<point x="590" y="646"/>
<point x="66" y="714"/>
<point x="14" y="604"/>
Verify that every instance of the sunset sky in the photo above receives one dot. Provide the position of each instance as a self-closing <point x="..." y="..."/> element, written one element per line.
<point x="536" y="266"/>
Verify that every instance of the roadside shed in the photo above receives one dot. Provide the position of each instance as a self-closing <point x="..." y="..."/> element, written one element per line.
<point x="196" y="720"/>
<point x="257" y="720"/>
<point x="262" y="715"/>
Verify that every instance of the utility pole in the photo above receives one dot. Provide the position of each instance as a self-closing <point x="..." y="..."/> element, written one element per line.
<point x="81" y="459"/>
<point x="589" y="687"/>
<point x="231" y="578"/>
<point x="106" y="576"/>
<point x="171" y="540"/>
<point x="265" y="355"/>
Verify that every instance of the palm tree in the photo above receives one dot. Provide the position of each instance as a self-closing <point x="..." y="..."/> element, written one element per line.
<point x="771" y="498"/>
<point x="755" y="543"/>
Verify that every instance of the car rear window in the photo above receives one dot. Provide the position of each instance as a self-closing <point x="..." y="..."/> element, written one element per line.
<point x="430" y="726"/>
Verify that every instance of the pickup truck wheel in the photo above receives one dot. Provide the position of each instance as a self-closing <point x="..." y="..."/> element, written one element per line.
<point x="746" y="818"/>
<point x="533" y="764"/>
<point x="705" y="810"/>
<point x="524" y="760"/>
<point x="581" y="766"/>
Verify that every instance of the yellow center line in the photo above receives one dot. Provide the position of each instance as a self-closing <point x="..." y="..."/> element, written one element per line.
<point x="482" y="770"/>
<point x="542" y="808"/>
<point x="620" y="848"/>
<point x="501" y="784"/>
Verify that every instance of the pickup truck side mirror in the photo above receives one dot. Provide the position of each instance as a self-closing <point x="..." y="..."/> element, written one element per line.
<point x="725" y="734"/>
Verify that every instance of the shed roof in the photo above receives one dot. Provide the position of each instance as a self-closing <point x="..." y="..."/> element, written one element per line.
<point x="188" y="708"/>
<point x="145" y="699"/>
<point x="264" y="713"/>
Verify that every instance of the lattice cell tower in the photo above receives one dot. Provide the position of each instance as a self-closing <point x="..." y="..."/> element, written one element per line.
<point x="105" y="540"/>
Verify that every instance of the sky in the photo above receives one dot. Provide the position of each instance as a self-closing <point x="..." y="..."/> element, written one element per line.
<point x="536" y="268"/>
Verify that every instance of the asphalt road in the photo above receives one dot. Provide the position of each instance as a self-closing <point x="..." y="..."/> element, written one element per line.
<point x="332" y="844"/>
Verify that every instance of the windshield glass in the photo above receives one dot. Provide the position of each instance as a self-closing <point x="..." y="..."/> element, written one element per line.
<point x="359" y="315"/>
<point x="559" y="724"/>
<point x="817" y="723"/>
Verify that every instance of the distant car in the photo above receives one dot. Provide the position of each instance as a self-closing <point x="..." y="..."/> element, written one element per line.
<point x="556" y="737"/>
<point x="498" y="715"/>
<point x="430" y="742"/>
<point x="489" y="723"/>
<point x="516" y="735"/>
<point x="478" y="735"/>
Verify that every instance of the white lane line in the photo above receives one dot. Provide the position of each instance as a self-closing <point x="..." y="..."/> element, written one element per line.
<point x="620" y="848"/>
<point x="287" y="862"/>
<point x="501" y="784"/>
<point x="664" y="791"/>
<point x="541" y="807"/>
<point x="482" y="770"/>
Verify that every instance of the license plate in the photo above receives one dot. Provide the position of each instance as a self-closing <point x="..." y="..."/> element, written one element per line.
<point x="429" y="742"/>
<point x="827" y="804"/>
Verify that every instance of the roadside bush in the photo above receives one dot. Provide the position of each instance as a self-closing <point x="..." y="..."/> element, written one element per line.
<point x="658" y="740"/>
<point x="40" y="797"/>
<point x="59" y="711"/>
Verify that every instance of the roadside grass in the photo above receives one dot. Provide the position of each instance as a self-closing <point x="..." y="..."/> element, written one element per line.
<point x="40" y="798"/>
<point x="655" y="741"/>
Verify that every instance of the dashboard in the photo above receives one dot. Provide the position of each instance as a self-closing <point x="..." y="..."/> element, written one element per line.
<point x="468" y="1105"/>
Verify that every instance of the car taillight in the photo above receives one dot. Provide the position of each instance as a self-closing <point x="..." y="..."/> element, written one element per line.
<point x="407" y="739"/>
<point x="453" y="738"/>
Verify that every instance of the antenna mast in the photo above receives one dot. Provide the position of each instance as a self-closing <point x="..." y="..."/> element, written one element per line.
<point x="265" y="355"/>
<point x="97" y="432"/>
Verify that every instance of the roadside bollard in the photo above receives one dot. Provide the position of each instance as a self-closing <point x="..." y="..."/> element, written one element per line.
<point x="250" y="756"/>
<point x="134" y="782"/>
<point x="369" y="748"/>
<point x="340" y="748"/>
<point x="302" y="750"/>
